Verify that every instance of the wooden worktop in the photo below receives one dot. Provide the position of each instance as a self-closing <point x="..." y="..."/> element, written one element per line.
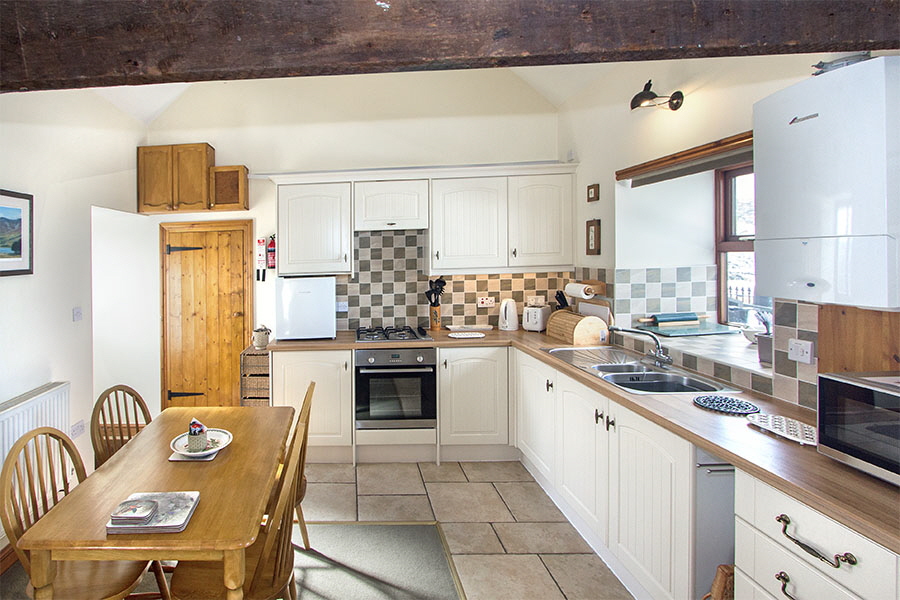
<point x="864" y="503"/>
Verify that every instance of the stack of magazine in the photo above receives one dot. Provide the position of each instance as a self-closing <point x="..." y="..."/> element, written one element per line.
<point x="153" y="512"/>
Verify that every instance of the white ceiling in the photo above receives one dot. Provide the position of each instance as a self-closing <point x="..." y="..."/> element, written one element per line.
<point x="143" y="102"/>
<point x="556" y="83"/>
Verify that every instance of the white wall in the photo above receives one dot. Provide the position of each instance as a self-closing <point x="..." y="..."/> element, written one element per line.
<point x="70" y="150"/>
<point x="356" y="122"/>
<point x="669" y="224"/>
<point x="598" y="127"/>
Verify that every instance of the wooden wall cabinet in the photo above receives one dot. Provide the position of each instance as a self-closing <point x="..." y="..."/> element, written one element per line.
<point x="183" y="178"/>
<point x="228" y="189"/>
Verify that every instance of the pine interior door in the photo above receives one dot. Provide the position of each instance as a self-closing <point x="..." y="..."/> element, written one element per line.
<point x="207" y="311"/>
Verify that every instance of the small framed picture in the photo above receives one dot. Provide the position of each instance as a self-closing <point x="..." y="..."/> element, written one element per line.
<point x="16" y="232"/>
<point x="592" y="237"/>
<point x="593" y="192"/>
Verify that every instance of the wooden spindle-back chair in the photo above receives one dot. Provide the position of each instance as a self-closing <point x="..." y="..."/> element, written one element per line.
<point x="119" y="414"/>
<point x="41" y="468"/>
<point x="269" y="561"/>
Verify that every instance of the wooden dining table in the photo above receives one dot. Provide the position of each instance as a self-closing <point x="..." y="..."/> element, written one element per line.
<point x="234" y="489"/>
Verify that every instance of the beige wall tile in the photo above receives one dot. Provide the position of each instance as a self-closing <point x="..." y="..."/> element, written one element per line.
<point x="785" y="388"/>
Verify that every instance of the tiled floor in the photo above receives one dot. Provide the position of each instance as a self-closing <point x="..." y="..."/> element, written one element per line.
<point x="506" y="537"/>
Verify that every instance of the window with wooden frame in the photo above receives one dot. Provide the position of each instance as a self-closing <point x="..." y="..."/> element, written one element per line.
<point x="735" y="231"/>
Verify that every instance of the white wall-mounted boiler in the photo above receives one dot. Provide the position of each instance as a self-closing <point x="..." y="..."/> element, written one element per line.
<point x="826" y="154"/>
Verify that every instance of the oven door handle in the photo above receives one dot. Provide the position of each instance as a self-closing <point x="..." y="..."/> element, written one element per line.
<point x="389" y="370"/>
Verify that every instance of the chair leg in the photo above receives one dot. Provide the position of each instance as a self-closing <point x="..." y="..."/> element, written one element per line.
<point x="160" y="576"/>
<point x="303" y="532"/>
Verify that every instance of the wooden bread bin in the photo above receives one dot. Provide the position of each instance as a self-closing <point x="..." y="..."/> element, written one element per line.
<point x="578" y="330"/>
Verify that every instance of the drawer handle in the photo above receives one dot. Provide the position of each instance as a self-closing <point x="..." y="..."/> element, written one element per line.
<point x="846" y="557"/>
<point x="784" y="579"/>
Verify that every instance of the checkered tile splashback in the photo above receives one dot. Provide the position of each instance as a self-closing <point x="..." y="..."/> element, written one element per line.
<point x="389" y="287"/>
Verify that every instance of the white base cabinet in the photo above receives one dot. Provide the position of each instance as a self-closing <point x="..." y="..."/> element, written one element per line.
<point x="651" y="474"/>
<point x="762" y="550"/>
<point x="474" y="396"/>
<point x="536" y="413"/>
<point x="331" y="418"/>
<point x="582" y="461"/>
<point x="630" y="481"/>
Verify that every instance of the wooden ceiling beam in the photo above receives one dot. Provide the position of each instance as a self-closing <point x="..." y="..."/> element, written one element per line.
<point x="57" y="44"/>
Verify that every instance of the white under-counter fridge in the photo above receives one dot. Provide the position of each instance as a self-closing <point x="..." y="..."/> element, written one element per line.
<point x="305" y="307"/>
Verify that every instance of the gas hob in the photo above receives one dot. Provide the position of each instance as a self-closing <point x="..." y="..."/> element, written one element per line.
<point x="391" y="334"/>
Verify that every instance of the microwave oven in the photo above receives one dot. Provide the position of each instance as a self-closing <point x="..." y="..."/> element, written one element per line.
<point x="859" y="421"/>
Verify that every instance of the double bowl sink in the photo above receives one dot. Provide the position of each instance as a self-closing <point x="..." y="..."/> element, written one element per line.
<point x="634" y="373"/>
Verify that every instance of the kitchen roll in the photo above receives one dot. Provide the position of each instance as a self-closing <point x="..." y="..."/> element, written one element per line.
<point x="579" y="290"/>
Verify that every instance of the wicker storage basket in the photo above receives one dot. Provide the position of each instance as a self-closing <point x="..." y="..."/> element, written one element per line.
<point x="578" y="330"/>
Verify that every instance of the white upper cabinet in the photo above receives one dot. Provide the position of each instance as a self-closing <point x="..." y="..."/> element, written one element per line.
<point x="540" y="220"/>
<point x="498" y="224"/>
<point x="386" y="205"/>
<point x="468" y="224"/>
<point x="314" y="229"/>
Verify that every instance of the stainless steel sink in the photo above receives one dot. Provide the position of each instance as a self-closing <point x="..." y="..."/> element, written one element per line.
<point x="655" y="382"/>
<point x="630" y="372"/>
<point x="585" y="357"/>
<point x="621" y="368"/>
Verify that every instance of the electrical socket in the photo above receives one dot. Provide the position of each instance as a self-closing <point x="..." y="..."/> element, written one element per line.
<point x="800" y="351"/>
<point x="485" y="301"/>
<point x="77" y="429"/>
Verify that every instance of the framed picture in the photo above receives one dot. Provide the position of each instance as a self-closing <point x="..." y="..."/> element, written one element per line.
<point x="593" y="192"/>
<point x="592" y="237"/>
<point x="16" y="233"/>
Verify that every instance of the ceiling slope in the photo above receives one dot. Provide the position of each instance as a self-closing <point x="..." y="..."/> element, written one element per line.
<point x="56" y="44"/>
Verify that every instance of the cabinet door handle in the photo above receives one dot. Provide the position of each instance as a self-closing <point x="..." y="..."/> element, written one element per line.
<point x="784" y="579"/>
<point x="391" y="224"/>
<point x="514" y="253"/>
<point x="846" y="557"/>
<point x="598" y="416"/>
<point x="610" y="422"/>
<point x="437" y="255"/>
<point x="445" y="363"/>
<point x="549" y="385"/>
<point x="345" y="257"/>
<point x="346" y="366"/>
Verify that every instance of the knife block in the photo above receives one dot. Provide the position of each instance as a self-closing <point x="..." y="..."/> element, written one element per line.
<point x="434" y="317"/>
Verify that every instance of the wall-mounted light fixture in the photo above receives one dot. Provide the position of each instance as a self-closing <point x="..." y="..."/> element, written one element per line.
<point x="648" y="98"/>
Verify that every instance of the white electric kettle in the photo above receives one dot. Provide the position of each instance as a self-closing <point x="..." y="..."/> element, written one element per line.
<point x="509" y="318"/>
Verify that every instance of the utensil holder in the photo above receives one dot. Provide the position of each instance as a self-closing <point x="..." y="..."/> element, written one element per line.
<point x="434" y="317"/>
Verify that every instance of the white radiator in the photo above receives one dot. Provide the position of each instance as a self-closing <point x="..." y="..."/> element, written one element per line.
<point x="46" y="406"/>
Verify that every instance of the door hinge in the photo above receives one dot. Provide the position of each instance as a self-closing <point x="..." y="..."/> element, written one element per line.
<point x="170" y="249"/>
<point x="170" y="394"/>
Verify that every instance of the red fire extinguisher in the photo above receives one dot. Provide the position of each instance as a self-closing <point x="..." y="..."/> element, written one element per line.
<point x="270" y="253"/>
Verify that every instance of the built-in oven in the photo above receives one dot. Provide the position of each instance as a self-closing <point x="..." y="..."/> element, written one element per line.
<point x="396" y="388"/>
<point x="859" y="421"/>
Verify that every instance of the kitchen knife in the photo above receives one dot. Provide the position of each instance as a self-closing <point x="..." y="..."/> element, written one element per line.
<point x="561" y="299"/>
